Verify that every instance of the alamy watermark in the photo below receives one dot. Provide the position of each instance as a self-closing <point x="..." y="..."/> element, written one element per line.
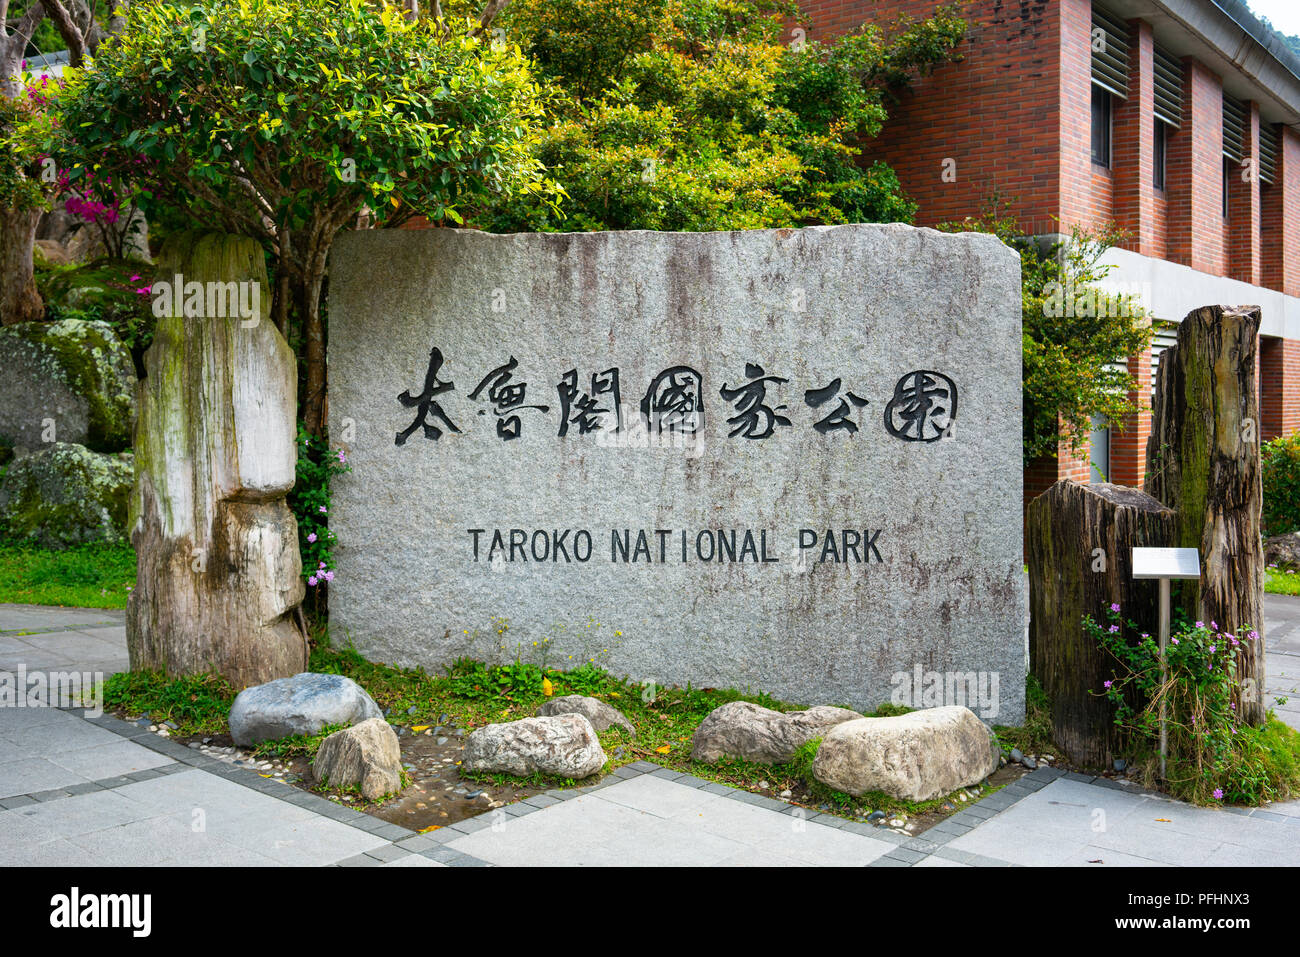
<point x="53" y="689"/>
<point x="977" y="690"/>
<point x="207" y="300"/>
<point x="1119" y="300"/>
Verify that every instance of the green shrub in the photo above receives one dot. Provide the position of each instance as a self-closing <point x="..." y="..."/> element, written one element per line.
<point x="1280" y="462"/>
<point x="704" y="115"/>
<point x="1213" y="755"/>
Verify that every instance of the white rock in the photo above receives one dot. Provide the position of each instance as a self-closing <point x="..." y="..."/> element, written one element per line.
<point x="564" y="745"/>
<point x="912" y="757"/>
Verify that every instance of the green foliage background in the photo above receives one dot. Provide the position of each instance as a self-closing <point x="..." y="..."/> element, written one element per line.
<point x="1069" y="362"/>
<point x="707" y="115"/>
<point x="1280" y="461"/>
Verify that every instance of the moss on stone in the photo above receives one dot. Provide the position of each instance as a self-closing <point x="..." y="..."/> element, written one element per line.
<point x="65" y="495"/>
<point x="89" y="358"/>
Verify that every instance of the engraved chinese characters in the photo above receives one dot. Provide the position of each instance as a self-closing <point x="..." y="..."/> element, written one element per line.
<point x="923" y="406"/>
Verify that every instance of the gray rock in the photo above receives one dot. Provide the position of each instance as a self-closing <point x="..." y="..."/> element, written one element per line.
<point x="74" y="375"/>
<point x="302" y="704"/>
<point x="1120" y="764"/>
<point x="911" y="757"/>
<point x="564" y="745"/>
<point x="1283" y="551"/>
<point x="809" y="306"/>
<point x="366" y="755"/>
<point x="601" y="715"/>
<point x="53" y="252"/>
<point x="1017" y="755"/>
<point x="750" y="732"/>
<point x="65" y="494"/>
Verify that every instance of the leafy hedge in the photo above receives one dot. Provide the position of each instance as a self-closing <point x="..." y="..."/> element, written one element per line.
<point x="1281" y="467"/>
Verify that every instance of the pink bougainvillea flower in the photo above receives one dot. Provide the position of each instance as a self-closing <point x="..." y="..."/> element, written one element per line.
<point x="312" y="581"/>
<point x="311" y="537"/>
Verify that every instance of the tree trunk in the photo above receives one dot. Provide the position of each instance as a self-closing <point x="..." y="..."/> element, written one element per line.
<point x="1080" y="540"/>
<point x="1203" y="461"/>
<point x="220" y="576"/>
<point x="19" y="300"/>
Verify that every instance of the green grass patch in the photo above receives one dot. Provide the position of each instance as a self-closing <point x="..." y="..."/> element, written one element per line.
<point x="1281" y="583"/>
<point x="198" y="704"/>
<point x="472" y="694"/>
<point x="83" y="576"/>
<point x="1035" y="735"/>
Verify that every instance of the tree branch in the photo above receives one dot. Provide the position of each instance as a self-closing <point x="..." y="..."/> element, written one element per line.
<point x="27" y="25"/>
<point x="490" y="12"/>
<point x="69" y="30"/>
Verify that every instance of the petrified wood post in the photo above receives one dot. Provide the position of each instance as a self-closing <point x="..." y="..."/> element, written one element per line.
<point x="1080" y="540"/>
<point x="219" y="570"/>
<point x="1203" y="461"/>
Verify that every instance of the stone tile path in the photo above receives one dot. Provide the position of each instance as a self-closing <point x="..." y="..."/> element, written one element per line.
<point x="96" y="791"/>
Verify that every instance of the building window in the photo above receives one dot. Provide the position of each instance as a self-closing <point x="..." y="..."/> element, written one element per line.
<point x="1227" y="181"/>
<point x="1158" y="157"/>
<point x="1101" y="118"/>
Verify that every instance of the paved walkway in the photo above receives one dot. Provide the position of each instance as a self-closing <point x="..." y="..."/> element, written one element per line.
<point x="98" y="791"/>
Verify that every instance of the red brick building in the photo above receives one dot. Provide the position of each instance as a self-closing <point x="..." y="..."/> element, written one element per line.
<point x="1177" y="119"/>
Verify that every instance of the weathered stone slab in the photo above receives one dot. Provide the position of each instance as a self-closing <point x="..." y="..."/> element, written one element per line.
<point x="737" y="355"/>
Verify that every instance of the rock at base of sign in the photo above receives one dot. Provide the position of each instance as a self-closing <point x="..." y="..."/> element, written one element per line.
<point x="911" y="757"/>
<point x="302" y="704"/>
<point x="564" y="745"/>
<point x="750" y="732"/>
<point x="366" y="755"/>
<point x="601" y="715"/>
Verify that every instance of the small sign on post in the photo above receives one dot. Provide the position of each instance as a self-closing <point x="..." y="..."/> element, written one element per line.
<point x="1165" y="564"/>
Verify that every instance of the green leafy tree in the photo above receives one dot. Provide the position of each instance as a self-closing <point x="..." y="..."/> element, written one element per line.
<point x="1075" y="335"/>
<point x="707" y="114"/>
<point x="22" y="119"/>
<point x="286" y="119"/>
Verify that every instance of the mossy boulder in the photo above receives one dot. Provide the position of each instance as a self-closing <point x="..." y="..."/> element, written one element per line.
<point x="66" y="494"/>
<point x="74" y="375"/>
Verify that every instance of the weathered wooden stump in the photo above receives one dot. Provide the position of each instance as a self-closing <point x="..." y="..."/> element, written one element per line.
<point x="220" y="578"/>
<point x="1080" y="540"/>
<point x="1203" y="461"/>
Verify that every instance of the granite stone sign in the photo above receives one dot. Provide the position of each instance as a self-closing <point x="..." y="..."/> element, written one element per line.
<point x="781" y="460"/>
